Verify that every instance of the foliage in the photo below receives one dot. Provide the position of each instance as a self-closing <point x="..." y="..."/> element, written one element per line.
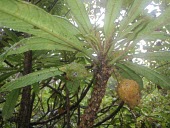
<point x="30" y="79"/>
<point x="154" y="109"/>
<point x="68" y="45"/>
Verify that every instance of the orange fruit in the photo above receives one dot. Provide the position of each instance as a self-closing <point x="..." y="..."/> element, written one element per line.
<point x="129" y="92"/>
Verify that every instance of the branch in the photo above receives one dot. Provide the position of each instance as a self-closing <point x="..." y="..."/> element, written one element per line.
<point x="71" y="107"/>
<point x="52" y="5"/>
<point x="104" y="110"/>
<point x="37" y="2"/>
<point x="55" y="90"/>
<point x="8" y="63"/>
<point x="68" y="107"/>
<point x="112" y="115"/>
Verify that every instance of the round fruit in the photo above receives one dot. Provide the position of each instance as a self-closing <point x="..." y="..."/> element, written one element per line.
<point x="129" y="92"/>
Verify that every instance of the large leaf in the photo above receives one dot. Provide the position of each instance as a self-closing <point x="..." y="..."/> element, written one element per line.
<point x="157" y="35"/>
<point x="30" y="79"/>
<point x="130" y="35"/>
<point x="80" y="14"/>
<point x="73" y="86"/>
<point x="160" y="56"/>
<point x="10" y="103"/>
<point x="113" y="9"/>
<point x="36" y="43"/>
<point x="134" y="11"/>
<point x="75" y="71"/>
<point x="6" y="75"/>
<point x="28" y="18"/>
<point x="82" y="20"/>
<point x="158" y="22"/>
<point x="162" y="20"/>
<point x="129" y="74"/>
<point x="150" y="74"/>
<point x="130" y="29"/>
<point x="6" y="69"/>
<point x="11" y="34"/>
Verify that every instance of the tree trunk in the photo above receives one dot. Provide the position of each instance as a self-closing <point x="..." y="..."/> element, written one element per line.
<point x="102" y="75"/>
<point x="25" y="107"/>
<point x="68" y="107"/>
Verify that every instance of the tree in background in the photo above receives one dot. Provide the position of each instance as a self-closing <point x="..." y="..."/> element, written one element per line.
<point x="68" y="57"/>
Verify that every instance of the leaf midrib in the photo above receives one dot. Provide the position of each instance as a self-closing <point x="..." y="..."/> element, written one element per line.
<point x="42" y="28"/>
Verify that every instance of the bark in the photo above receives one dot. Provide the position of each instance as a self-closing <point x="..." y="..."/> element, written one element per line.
<point x="102" y="75"/>
<point x="25" y="106"/>
<point x="68" y="108"/>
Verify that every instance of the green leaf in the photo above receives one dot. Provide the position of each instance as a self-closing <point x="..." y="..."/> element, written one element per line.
<point x="157" y="35"/>
<point x="11" y="34"/>
<point x="162" y="20"/>
<point x="160" y="56"/>
<point x="29" y="18"/>
<point x="150" y="74"/>
<point x="36" y="88"/>
<point x="80" y="14"/>
<point x="113" y="9"/>
<point x="130" y="29"/>
<point x="134" y="11"/>
<point x="130" y="40"/>
<point x="129" y="74"/>
<point x="73" y="86"/>
<point x="36" y="43"/>
<point x="158" y="22"/>
<point x="10" y="103"/>
<point x="30" y="79"/>
<point x="6" y="75"/>
<point x="127" y="3"/>
<point x="75" y="71"/>
<point x="6" y="69"/>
